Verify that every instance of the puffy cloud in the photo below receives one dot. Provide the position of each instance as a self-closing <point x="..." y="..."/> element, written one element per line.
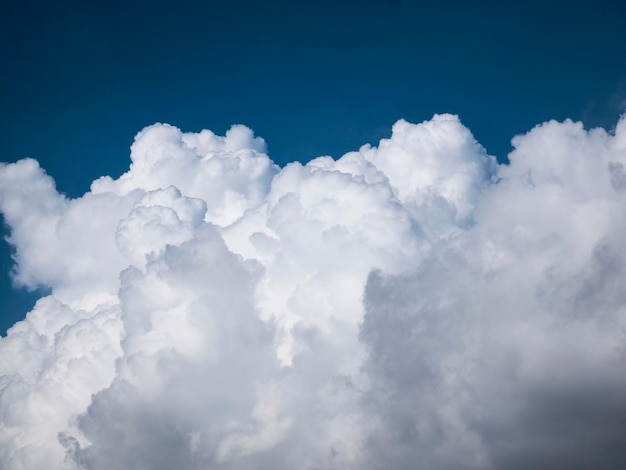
<point x="507" y="349"/>
<point x="231" y="174"/>
<point x="409" y="302"/>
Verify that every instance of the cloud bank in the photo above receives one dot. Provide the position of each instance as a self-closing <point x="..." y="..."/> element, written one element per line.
<point x="409" y="305"/>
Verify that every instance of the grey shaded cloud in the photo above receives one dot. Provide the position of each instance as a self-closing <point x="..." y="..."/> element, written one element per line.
<point x="618" y="177"/>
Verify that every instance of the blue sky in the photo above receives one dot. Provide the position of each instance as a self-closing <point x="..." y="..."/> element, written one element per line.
<point x="80" y="79"/>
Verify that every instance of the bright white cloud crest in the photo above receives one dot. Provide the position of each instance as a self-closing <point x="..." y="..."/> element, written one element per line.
<point x="413" y="303"/>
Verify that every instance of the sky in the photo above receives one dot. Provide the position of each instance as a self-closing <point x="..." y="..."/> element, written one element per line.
<point x="312" y="78"/>
<point x="312" y="234"/>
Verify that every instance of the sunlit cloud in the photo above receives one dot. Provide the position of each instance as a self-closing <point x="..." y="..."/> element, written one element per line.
<point x="410" y="303"/>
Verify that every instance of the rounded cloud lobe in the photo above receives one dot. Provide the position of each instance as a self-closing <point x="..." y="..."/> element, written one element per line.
<point x="409" y="304"/>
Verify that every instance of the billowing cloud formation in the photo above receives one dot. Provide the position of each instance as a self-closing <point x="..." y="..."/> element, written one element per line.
<point x="410" y="305"/>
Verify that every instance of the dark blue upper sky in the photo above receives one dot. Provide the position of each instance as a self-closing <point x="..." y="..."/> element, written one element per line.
<point x="79" y="79"/>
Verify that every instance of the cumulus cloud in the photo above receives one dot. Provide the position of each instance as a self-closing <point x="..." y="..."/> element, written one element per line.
<point x="410" y="304"/>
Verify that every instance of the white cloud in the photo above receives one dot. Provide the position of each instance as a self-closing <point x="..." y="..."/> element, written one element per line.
<point x="409" y="302"/>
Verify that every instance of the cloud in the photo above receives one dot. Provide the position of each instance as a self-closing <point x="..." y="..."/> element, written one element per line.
<point x="409" y="302"/>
